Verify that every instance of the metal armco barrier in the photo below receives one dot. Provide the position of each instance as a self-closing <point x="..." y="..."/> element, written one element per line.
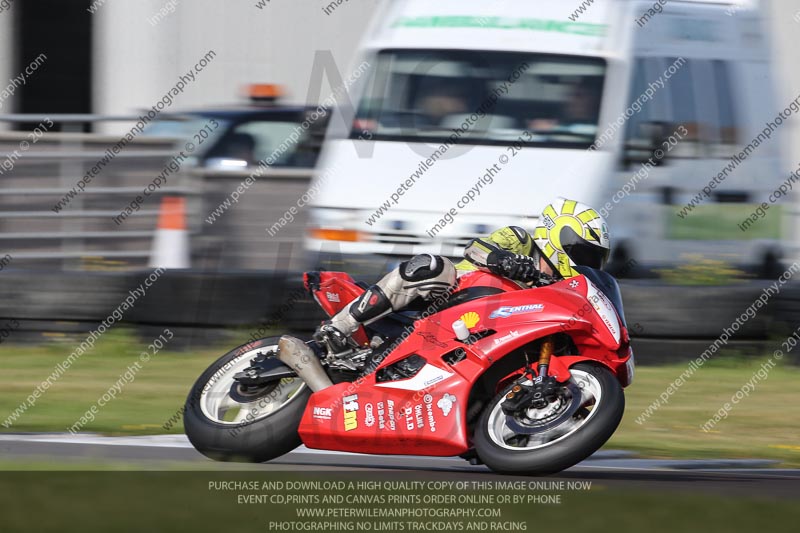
<point x="203" y="299"/>
<point x="39" y="171"/>
<point x="83" y="235"/>
<point x="235" y="237"/>
<point x="699" y="312"/>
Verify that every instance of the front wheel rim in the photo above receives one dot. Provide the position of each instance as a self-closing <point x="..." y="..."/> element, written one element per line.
<point x="591" y="400"/>
<point x="223" y="402"/>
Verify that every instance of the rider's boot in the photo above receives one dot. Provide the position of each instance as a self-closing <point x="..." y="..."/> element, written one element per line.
<point x="371" y="305"/>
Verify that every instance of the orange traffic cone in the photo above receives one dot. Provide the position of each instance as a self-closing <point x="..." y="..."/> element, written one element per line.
<point x="171" y="241"/>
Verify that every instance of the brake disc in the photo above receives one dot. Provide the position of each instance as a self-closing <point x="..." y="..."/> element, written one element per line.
<point x="530" y="426"/>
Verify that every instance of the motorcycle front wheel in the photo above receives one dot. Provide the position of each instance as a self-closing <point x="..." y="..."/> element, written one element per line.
<point x="549" y="440"/>
<point x="227" y="422"/>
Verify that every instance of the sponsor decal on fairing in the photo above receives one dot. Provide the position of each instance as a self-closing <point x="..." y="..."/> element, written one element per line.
<point x="446" y="403"/>
<point x="605" y="309"/>
<point x="507" y="311"/>
<point x="369" y="417"/>
<point x="322" y="413"/>
<point x="350" y="412"/>
<point x="504" y="338"/>
<point x="471" y="319"/>
<point x="386" y="419"/>
<point x="428" y="401"/>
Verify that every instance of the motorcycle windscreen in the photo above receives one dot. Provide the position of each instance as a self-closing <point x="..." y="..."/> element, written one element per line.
<point x="606" y="283"/>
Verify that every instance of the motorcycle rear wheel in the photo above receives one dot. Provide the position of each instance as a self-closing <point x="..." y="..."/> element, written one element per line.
<point x="588" y="418"/>
<point x="228" y="423"/>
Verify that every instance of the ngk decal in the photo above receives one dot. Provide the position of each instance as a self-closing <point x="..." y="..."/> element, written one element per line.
<point x="369" y="417"/>
<point x="350" y="412"/>
<point x="322" y="413"/>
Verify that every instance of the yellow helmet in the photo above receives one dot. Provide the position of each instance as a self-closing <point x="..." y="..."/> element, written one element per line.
<point x="571" y="233"/>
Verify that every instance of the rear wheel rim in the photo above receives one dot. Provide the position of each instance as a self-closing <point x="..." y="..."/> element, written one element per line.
<point x="225" y="402"/>
<point x="591" y="400"/>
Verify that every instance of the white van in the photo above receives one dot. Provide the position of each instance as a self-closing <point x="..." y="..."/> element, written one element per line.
<point x="476" y="114"/>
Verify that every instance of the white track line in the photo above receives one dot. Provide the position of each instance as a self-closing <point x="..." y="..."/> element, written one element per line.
<point x="146" y="441"/>
<point x="181" y="441"/>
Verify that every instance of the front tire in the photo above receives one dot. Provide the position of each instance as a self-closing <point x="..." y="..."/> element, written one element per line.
<point x="591" y="413"/>
<point x="228" y="423"/>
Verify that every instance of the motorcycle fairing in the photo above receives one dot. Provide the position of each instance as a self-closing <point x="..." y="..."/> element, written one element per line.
<point x="427" y="415"/>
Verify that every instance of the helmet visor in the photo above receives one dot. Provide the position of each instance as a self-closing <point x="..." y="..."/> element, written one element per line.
<point x="581" y="251"/>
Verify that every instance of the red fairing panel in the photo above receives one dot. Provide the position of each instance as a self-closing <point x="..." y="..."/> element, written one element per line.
<point x="480" y="278"/>
<point x="384" y="420"/>
<point x="336" y="290"/>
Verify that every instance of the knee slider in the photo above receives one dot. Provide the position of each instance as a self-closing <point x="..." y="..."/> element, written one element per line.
<point x="371" y="304"/>
<point x="428" y="275"/>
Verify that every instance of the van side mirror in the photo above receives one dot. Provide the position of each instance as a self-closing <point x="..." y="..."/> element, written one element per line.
<point x="649" y="138"/>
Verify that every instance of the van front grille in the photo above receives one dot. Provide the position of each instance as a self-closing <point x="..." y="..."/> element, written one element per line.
<point x="414" y="240"/>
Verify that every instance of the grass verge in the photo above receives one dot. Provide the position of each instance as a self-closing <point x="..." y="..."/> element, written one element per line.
<point x="761" y="425"/>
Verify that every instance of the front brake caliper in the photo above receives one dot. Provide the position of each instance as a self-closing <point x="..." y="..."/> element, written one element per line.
<point x="539" y="395"/>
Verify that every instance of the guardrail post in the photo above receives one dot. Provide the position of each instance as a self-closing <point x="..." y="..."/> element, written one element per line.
<point x="70" y="170"/>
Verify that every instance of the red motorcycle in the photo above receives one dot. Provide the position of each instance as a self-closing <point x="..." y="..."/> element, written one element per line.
<point x="522" y="380"/>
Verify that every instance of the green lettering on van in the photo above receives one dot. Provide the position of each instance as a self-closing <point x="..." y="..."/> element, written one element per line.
<point x="558" y="26"/>
<point x="720" y="222"/>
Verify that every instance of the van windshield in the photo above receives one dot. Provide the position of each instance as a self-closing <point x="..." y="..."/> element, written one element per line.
<point x="475" y="97"/>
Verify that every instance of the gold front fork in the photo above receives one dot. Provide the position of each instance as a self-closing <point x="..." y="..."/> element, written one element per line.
<point x="545" y="353"/>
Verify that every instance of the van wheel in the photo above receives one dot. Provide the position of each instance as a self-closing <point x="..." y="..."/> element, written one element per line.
<point x="771" y="266"/>
<point x="621" y="264"/>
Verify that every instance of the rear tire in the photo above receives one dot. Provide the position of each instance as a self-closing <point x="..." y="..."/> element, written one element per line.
<point x="564" y="451"/>
<point x="263" y="438"/>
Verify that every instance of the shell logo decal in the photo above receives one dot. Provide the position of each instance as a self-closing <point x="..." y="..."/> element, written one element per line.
<point x="471" y="319"/>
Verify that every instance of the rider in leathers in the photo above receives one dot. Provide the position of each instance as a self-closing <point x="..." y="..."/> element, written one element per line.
<point x="569" y="233"/>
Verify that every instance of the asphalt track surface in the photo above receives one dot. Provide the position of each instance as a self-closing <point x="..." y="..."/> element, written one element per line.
<point x="611" y="468"/>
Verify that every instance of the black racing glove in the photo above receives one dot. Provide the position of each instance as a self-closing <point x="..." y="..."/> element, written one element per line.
<point x="513" y="266"/>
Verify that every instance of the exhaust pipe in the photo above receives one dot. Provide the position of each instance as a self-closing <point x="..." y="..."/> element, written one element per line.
<point x="302" y="360"/>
